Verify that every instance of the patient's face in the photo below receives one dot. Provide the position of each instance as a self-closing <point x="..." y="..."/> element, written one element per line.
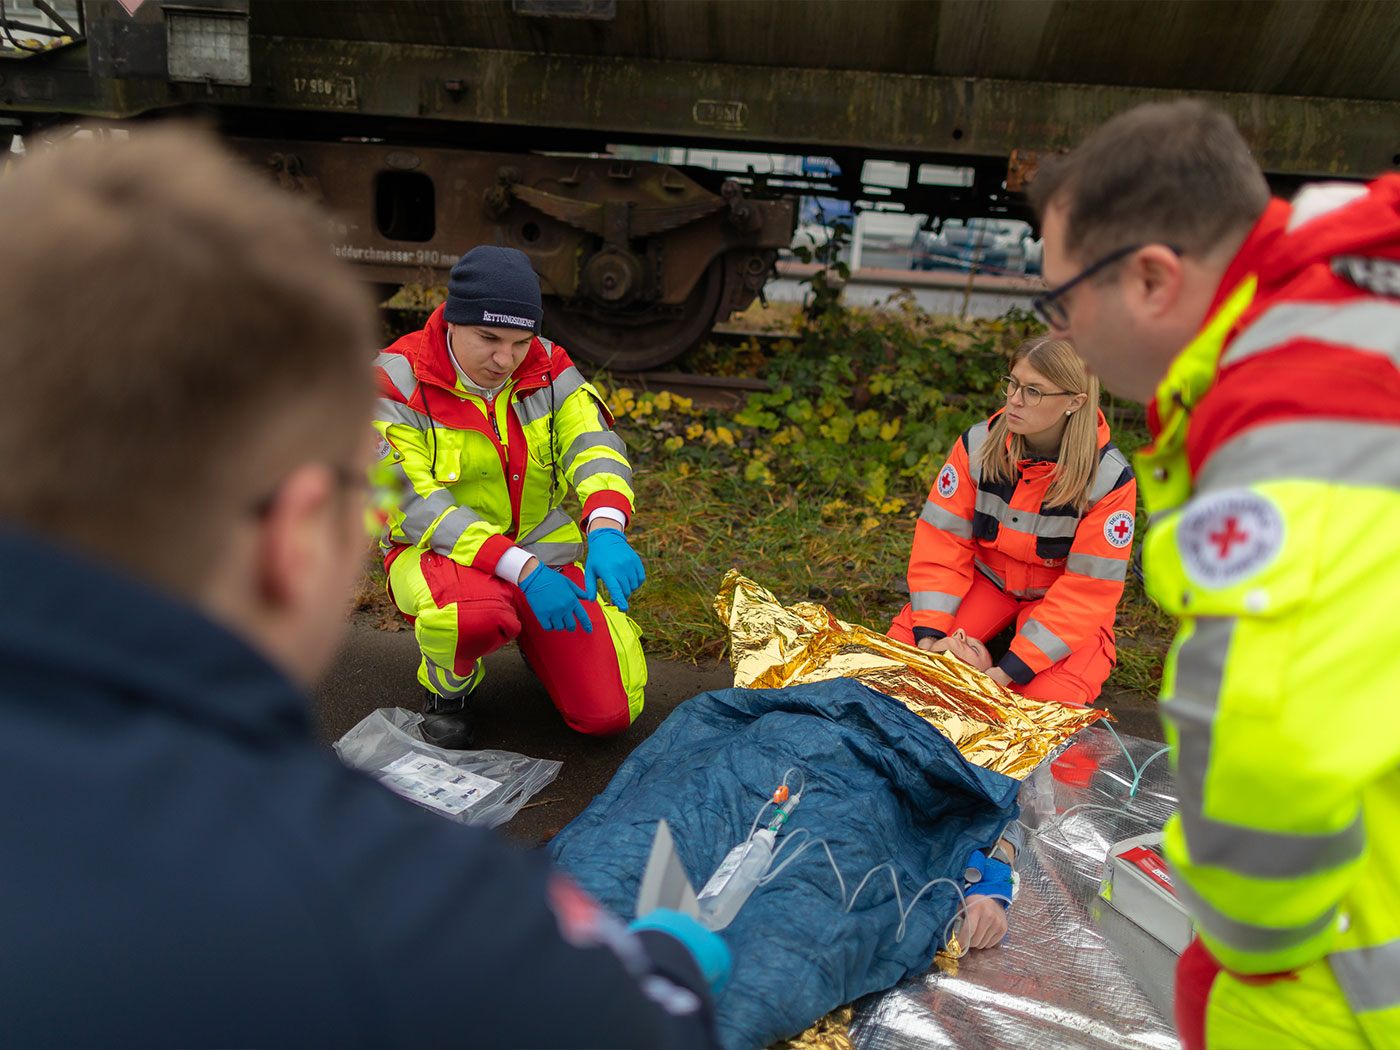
<point x="968" y="650"/>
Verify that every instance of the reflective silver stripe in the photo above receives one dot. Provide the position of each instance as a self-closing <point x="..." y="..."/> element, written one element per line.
<point x="1251" y="852"/>
<point x="1245" y="936"/>
<point x="934" y="601"/>
<point x="537" y="405"/>
<point x="420" y="512"/>
<point x="1370" y="977"/>
<point x="1111" y="468"/>
<point x="1370" y="325"/>
<point x="555" y="554"/>
<point x="1030" y="593"/>
<point x="388" y="411"/>
<point x="1048" y="525"/>
<point x="593" y="439"/>
<point x="555" y="519"/>
<point x="1098" y="568"/>
<point x="448" y="685"/>
<point x="982" y="568"/>
<point x="1330" y="451"/>
<point x="976" y="437"/>
<point x="1046" y="640"/>
<point x="400" y="372"/>
<point x="1269" y="854"/>
<point x="453" y="527"/>
<point x="603" y="466"/>
<point x="942" y="518"/>
<point x="1200" y="670"/>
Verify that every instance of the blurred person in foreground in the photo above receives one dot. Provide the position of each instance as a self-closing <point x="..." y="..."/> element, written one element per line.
<point x="180" y="524"/>
<point x="1263" y="336"/>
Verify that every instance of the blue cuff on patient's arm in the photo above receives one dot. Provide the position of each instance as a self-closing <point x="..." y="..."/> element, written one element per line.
<point x="920" y="633"/>
<point x="986" y="877"/>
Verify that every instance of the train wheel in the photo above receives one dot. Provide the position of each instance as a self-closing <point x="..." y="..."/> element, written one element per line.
<point x="638" y="339"/>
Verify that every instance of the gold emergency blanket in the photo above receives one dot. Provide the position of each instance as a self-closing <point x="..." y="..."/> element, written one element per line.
<point x="771" y="646"/>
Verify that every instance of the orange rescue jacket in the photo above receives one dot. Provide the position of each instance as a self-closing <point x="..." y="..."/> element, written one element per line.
<point x="1074" y="564"/>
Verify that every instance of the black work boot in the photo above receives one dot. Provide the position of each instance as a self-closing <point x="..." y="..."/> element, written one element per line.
<point x="447" y="721"/>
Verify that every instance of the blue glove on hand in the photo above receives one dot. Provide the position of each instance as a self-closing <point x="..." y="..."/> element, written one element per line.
<point x="554" y="599"/>
<point x="612" y="560"/>
<point x="991" y="878"/>
<point x="708" y="949"/>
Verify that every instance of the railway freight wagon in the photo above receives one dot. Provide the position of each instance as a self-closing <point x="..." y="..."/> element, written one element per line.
<point x="431" y="127"/>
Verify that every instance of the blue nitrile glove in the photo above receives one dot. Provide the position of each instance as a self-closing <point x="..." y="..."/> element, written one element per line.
<point x="554" y="599"/>
<point x="706" y="947"/>
<point x="612" y="560"/>
<point x="988" y="877"/>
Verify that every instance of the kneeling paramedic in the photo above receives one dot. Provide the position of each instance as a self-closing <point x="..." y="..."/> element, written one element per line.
<point x="486" y="426"/>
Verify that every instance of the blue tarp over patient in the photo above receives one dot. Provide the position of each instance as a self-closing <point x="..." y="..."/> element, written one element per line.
<point x="881" y="785"/>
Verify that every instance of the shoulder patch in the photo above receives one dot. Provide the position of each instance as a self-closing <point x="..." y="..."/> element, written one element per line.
<point x="382" y="448"/>
<point x="1229" y="536"/>
<point x="1118" y="528"/>
<point x="947" y="481"/>
<point x="1377" y="276"/>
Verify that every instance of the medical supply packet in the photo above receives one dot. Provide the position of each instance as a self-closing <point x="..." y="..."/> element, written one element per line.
<point x="471" y="787"/>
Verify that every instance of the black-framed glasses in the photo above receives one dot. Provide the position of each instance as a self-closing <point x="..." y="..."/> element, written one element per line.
<point x="1031" y="395"/>
<point x="1048" y="306"/>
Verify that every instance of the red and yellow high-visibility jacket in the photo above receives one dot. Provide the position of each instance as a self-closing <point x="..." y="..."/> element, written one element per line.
<point x="477" y="479"/>
<point x="1075" y="562"/>
<point x="1274" y="494"/>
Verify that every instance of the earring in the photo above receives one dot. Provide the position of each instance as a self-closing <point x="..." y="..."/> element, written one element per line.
<point x="1070" y="413"/>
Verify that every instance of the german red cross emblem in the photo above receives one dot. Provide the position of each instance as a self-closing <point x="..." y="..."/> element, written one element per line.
<point x="1229" y="536"/>
<point x="1118" y="529"/>
<point x="947" y="481"/>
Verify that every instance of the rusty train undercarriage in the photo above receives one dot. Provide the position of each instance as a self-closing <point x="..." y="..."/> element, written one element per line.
<point x="637" y="262"/>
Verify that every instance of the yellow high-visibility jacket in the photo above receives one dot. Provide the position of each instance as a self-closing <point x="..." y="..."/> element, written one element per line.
<point x="477" y="479"/>
<point x="1273" y="492"/>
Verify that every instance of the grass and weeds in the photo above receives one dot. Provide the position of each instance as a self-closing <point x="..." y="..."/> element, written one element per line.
<point x="813" y="489"/>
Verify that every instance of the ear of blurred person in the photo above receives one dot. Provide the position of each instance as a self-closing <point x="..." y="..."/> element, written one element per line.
<point x="192" y="383"/>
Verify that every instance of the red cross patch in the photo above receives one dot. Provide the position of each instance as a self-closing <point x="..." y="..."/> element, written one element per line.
<point x="1229" y="536"/>
<point x="947" y="481"/>
<point x="1118" y="529"/>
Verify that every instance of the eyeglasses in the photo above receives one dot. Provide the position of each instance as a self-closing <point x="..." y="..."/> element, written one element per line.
<point x="1048" y="306"/>
<point x="1032" y="395"/>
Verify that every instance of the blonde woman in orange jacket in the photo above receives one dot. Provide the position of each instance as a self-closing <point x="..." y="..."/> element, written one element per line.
<point x="1030" y="521"/>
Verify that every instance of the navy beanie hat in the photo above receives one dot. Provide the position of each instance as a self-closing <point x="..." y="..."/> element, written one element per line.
<point x="494" y="287"/>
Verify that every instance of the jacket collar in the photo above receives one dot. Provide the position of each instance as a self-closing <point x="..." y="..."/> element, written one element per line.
<point x="432" y="361"/>
<point x="123" y="642"/>
<point x="1103" y="434"/>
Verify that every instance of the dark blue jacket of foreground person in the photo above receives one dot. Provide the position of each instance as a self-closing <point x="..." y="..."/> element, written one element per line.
<point x="886" y="792"/>
<point x="181" y="864"/>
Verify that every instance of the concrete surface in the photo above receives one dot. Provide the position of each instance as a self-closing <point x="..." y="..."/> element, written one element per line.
<point x="376" y="669"/>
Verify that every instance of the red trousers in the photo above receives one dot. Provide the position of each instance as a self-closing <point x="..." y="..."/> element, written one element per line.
<point x="986" y="610"/>
<point x="460" y="614"/>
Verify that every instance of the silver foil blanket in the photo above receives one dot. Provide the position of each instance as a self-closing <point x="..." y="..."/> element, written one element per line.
<point x="1072" y="971"/>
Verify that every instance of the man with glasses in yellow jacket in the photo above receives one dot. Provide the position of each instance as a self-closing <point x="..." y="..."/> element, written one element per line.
<point x="1264" y="337"/>
<point x="486" y="427"/>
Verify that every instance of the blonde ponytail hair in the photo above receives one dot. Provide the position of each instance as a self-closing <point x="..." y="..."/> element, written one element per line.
<point x="1078" y="462"/>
